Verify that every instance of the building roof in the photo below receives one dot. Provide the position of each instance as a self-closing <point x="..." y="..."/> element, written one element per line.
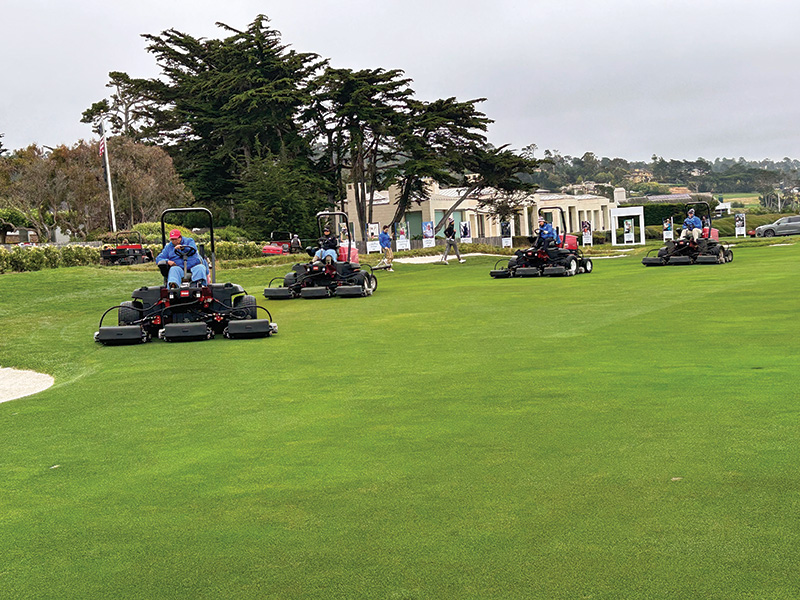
<point x="537" y="197"/>
<point x="669" y="198"/>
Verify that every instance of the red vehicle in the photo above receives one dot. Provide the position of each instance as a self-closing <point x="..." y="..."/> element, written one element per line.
<point x="125" y="253"/>
<point x="282" y="242"/>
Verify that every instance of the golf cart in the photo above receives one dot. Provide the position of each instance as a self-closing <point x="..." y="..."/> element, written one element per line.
<point x="343" y="277"/>
<point x="564" y="259"/>
<point x="707" y="250"/>
<point x="188" y="312"/>
<point x="279" y="243"/>
<point x="125" y="253"/>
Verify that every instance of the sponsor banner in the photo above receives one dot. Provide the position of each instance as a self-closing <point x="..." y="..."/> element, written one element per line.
<point x="401" y="236"/>
<point x="586" y="228"/>
<point x="466" y="232"/>
<point x="428" y="240"/>
<point x="669" y="229"/>
<point x="740" y="223"/>
<point x="373" y="231"/>
<point x="628" y="231"/>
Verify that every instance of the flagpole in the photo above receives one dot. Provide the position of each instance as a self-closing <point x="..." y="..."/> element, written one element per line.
<point x="104" y="152"/>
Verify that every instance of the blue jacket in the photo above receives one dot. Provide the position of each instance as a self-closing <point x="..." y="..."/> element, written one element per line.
<point x="168" y="253"/>
<point x="385" y="240"/>
<point x="692" y="222"/>
<point x="546" y="231"/>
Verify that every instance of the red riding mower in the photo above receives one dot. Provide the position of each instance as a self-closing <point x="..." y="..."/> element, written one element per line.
<point x="342" y="277"/>
<point x="706" y="250"/>
<point x="189" y="312"/>
<point x="546" y="258"/>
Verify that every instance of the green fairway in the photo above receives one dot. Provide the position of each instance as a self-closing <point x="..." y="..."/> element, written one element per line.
<point x="630" y="433"/>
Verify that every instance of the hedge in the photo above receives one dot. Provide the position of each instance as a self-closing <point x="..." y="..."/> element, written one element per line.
<point x="35" y="258"/>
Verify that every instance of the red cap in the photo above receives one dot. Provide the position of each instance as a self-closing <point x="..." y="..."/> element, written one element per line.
<point x="175" y="233"/>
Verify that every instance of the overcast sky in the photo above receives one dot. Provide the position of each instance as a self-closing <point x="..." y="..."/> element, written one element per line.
<point x="621" y="78"/>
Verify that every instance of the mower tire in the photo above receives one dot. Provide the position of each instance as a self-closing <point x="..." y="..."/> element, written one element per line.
<point x="127" y="314"/>
<point x="247" y="305"/>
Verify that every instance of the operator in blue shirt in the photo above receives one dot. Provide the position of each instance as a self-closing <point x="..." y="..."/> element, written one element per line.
<point x="173" y="255"/>
<point x="692" y="226"/>
<point x="547" y="236"/>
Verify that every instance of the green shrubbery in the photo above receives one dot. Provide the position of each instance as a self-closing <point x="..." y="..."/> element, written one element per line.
<point x="151" y="234"/>
<point x="36" y="258"/>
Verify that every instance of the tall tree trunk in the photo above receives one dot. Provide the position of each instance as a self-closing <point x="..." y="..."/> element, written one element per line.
<point x="455" y="205"/>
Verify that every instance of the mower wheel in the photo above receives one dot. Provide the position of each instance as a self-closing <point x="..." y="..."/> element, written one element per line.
<point x="370" y="282"/>
<point x="247" y="304"/>
<point x="570" y="266"/>
<point x="127" y="314"/>
<point x="588" y="266"/>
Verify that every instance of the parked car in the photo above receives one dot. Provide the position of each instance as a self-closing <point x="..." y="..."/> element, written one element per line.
<point x="783" y="226"/>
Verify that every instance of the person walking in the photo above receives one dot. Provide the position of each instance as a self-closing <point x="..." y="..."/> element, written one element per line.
<point x="450" y="241"/>
<point x="385" y="240"/>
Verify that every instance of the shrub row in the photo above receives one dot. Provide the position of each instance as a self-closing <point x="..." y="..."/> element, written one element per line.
<point x="151" y="234"/>
<point x="36" y="258"/>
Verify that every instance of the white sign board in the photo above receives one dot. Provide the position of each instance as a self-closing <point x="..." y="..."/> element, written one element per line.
<point x="373" y="231"/>
<point x="586" y="228"/>
<point x="401" y="236"/>
<point x="669" y="229"/>
<point x="428" y="240"/>
<point x="466" y="233"/>
<point x="740" y="222"/>
<point x="628" y="231"/>
<point x="633" y="211"/>
<point x="506" y="242"/>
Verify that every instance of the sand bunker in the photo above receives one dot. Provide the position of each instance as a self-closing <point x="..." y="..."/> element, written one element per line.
<point x="17" y="384"/>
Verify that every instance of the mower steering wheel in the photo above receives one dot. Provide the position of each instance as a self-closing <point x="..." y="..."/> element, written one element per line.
<point x="185" y="251"/>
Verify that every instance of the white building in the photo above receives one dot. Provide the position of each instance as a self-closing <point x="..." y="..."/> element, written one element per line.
<point x="583" y="207"/>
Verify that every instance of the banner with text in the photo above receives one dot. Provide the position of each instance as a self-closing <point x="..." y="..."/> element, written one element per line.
<point x="427" y="235"/>
<point x="401" y="237"/>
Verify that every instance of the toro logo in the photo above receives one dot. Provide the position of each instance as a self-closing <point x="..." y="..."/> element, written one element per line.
<point x="184" y="293"/>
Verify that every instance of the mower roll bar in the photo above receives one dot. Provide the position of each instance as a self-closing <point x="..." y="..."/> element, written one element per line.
<point x="550" y="209"/>
<point x="211" y="227"/>
<point x="689" y="205"/>
<point x="337" y="213"/>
